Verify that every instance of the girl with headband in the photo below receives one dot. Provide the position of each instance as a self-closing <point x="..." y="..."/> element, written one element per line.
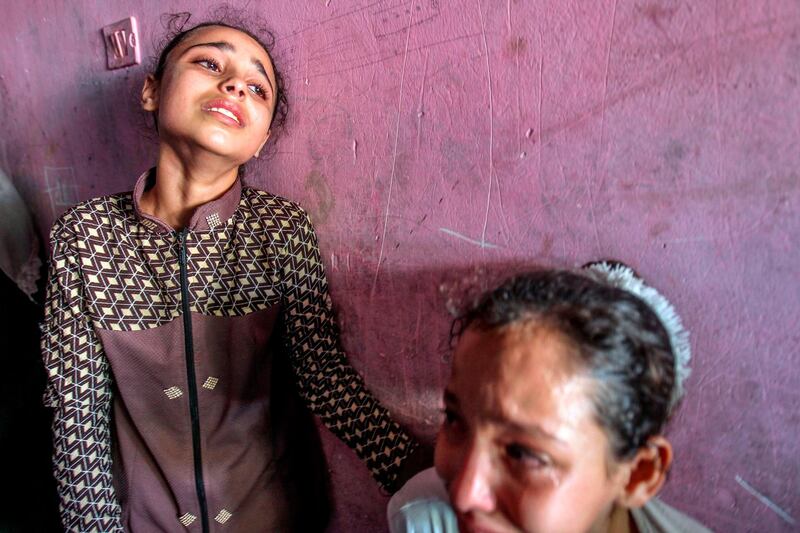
<point x="561" y="386"/>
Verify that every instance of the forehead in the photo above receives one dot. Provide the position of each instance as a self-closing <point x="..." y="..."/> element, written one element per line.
<point x="515" y="351"/>
<point x="243" y="43"/>
<point x="524" y="371"/>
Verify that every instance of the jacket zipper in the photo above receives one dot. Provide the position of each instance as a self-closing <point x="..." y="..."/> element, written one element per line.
<point x="194" y="410"/>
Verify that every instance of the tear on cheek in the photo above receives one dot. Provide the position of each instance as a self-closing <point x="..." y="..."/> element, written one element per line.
<point x="553" y="477"/>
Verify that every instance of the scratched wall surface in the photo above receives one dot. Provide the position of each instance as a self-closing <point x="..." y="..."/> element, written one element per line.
<point x="432" y="138"/>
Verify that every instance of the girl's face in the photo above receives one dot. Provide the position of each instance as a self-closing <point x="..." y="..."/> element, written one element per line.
<point x="217" y="94"/>
<point x="519" y="448"/>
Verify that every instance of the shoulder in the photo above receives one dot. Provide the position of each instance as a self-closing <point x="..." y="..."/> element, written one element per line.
<point x="658" y="517"/>
<point x="90" y="215"/>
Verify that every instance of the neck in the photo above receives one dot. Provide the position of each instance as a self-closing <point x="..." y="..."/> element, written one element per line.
<point x="183" y="184"/>
<point x="621" y="521"/>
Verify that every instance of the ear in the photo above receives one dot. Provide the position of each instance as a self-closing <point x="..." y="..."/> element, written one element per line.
<point x="150" y="93"/>
<point x="647" y="472"/>
<point x="266" y="138"/>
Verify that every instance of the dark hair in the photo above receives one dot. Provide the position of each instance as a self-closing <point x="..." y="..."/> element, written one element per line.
<point x="227" y="17"/>
<point x="617" y="336"/>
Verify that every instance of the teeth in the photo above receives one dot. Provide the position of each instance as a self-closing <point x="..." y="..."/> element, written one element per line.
<point x="225" y="112"/>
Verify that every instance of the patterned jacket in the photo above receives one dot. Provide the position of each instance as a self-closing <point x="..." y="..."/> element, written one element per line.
<point x="159" y="345"/>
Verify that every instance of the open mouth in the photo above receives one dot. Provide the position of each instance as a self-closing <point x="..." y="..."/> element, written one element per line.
<point x="223" y="111"/>
<point x="227" y="110"/>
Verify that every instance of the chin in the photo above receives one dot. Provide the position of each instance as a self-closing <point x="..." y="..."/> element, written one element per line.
<point x="224" y="150"/>
<point x="221" y="143"/>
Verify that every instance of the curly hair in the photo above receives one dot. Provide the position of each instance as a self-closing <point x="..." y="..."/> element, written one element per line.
<point x="617" y="337"/>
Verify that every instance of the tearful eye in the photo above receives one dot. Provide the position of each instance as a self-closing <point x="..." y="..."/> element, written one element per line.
<point x="453" y="425"/>
<point x="524" y="455"/>
<point x="208" y="64"/>
<point x="258" y="90"/>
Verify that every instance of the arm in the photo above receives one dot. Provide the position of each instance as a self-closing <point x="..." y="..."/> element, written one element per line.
<point x="78" y="390"/>
<point x="332" y="389"/>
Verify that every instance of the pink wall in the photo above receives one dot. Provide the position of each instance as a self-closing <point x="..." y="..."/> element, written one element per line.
<point x="428" y="137"/>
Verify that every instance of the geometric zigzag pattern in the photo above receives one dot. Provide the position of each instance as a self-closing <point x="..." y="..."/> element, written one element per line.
<point x="331" y="387"/>
<point x="79" y="390"/>
<point x="110" y="271"/>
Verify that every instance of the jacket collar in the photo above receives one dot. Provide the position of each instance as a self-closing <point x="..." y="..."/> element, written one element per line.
<point x="206" y="217"/>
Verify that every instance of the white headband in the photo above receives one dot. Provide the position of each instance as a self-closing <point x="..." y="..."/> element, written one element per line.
<point x="624" y="278"/>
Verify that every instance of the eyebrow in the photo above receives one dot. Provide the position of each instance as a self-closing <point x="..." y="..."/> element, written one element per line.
<point x="225" y="46"/>
<point x="534" y="430"/>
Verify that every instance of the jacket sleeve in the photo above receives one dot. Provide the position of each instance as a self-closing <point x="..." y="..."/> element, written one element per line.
<point x="330" y="386"/>
<point x="78" y="390"/>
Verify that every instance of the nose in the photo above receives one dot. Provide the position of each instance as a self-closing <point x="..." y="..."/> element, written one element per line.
<point x="472" y="487"/>
<point x="234" y="86"/>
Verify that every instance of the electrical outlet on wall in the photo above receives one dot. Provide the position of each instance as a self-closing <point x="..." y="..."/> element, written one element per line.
<point x="122" y="43"/>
